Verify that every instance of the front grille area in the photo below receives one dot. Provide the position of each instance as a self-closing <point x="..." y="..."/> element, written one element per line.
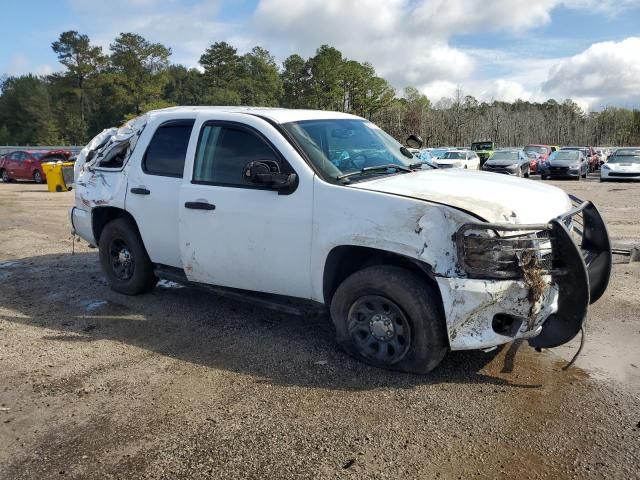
<point x="490" y="168"/>
<point x="624" y="174"/>
<point x="559" y="170"/>
<point x="507" y="251"/>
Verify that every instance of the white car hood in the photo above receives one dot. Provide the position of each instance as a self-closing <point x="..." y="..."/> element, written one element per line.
<point x="449" y="161"/>
<point x="495" y="198"/>
<point x="624" y="167"/>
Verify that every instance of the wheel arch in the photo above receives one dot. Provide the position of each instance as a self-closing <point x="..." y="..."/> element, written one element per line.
<point x="344" y="260"/>
<point x="100" y="216"/>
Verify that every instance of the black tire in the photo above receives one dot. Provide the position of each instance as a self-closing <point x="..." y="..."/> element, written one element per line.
<point x="418" y="339"/>
<point x="5" y="176"/>
<point x="124" y="259"/>
<point x="37" y="177"/>
<point x="528" y="173"/>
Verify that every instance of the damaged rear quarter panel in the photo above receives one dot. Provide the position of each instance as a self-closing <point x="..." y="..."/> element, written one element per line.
<point x="96" y="186"/>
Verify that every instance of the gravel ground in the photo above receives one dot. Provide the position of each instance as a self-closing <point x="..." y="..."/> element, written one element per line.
<point x="182" y="384"/>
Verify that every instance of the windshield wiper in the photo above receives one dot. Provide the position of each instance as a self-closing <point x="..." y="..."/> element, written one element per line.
<point x="377" y="168"/>
<point x="419" y="164"/>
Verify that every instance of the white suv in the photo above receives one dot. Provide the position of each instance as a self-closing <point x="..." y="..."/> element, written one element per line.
<point x="296" y="207"/>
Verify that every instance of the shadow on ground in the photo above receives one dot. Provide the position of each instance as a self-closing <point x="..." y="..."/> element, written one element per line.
<point x="68" y="295"/>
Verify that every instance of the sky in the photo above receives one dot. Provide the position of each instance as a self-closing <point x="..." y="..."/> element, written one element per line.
<point x="587" y="50"/>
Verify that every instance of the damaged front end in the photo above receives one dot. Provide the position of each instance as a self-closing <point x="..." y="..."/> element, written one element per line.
<point x="527" y="281"/>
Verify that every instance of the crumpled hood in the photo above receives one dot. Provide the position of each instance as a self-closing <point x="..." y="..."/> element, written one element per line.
<point x="495" y="198"/>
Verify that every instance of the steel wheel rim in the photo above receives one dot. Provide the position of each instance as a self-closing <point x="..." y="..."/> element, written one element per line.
<point x="5" y="176"/>
<point x="379" y="329"/>
<point x="121" y="259"/>
<point x="37" y="177"/>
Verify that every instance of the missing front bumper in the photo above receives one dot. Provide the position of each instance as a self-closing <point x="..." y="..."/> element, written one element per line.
<point x="572" y="252"/>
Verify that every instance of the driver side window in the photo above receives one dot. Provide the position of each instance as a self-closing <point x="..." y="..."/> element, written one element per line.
<point x="224" y="151"/>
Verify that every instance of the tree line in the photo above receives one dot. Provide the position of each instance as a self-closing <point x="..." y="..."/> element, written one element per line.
<point x="98" y="89"/>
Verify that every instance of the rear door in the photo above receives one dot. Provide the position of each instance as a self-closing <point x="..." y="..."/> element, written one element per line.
<point x="153" y="188"/>
<point x="19" y="165"/>
<point x="14" y="164"/>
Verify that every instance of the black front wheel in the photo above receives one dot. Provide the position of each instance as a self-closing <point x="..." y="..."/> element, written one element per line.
<point x="37" y="177"/>
<point x="390" y="317"/>
<point x="5" y="176"/>
<point x="124" y="259"/>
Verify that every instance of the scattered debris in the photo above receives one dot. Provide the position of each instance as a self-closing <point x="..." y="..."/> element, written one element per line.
<point x="349" y="463"/>
<point x="169" y="284"/>
<point x="533" y="278"/>
<point x="321" y="362"/>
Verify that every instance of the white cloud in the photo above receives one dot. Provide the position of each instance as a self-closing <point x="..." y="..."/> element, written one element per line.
<point x="607" y="72"/>
<point x="407" y="41"/>
<point x="188" y="30"/>
<point x="20" y="64"/>
<point x="608" y="7"/>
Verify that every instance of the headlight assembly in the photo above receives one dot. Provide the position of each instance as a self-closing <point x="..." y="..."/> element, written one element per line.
<point x="503" y="251"/>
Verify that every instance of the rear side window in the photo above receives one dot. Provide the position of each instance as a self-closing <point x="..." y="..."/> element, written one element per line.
<point x="167" y="149"/>
<point x="224" y="151"/>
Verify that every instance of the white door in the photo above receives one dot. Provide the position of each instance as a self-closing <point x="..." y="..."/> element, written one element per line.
<point x="236" y="234"/>
<point x="153" y="188"/>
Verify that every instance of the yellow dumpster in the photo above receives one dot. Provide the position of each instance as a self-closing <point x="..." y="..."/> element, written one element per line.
<point x="59" y="175"/>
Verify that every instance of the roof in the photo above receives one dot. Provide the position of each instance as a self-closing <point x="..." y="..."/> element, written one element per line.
<point x="279" y="115"/>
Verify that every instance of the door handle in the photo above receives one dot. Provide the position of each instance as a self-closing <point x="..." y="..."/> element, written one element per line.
<point x="199" y="206"/>
<point x="140" y="191"/>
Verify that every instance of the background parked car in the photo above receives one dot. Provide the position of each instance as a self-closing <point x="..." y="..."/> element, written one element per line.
<point x="509" y="161"/>
<point x="458" y="159"/>
<point x="624" y="164"/>
<point x="590" y="154"/>
<point x="566" y="163"/>
<point x="440" y="151"/>
<point x="484" y="150"/>
<point x="27" y="164"/>
<point x="603" y="154"/>
<point x="542" y="151"/>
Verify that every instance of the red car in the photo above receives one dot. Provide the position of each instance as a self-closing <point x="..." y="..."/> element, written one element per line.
<point x="27" y="164"/>
<point x="543" y="152"/>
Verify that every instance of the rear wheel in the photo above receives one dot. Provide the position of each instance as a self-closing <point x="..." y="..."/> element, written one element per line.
<point x="390" y="317"/>
<point x="528" y="174"/>
<point x="5" y="176"/>
<point x="37" y="177"/>
<point x="124" y="259"/>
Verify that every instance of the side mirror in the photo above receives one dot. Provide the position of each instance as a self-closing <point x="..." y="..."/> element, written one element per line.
<point x="267" y="173"/>
<point x="414" y="141"/>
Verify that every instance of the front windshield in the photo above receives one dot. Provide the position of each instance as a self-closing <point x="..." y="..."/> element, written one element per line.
<point x="565" y="156"/>
<point x="535" y="148"/>
<point x="504" y="156"/>
<point x="481" y="146"/>
<point x="339" y="147"/>
<point x="454" y="155"/>
<point x="631" y="155"/>
<point x="438" y="152"/>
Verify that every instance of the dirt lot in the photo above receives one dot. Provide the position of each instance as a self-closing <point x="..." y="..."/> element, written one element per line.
<point x="182" y="384"/>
